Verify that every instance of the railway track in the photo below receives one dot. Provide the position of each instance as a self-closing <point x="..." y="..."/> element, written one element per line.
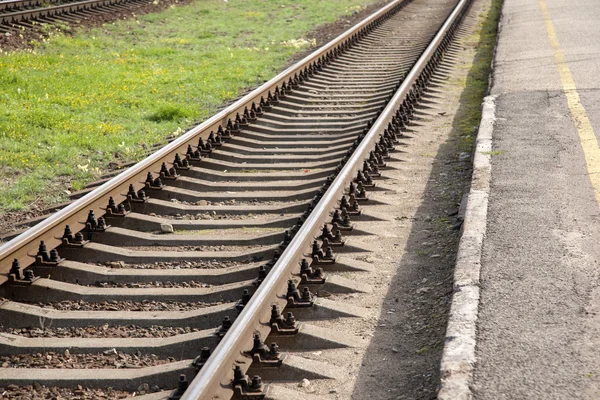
<point x="177" y="277"/>
<point x="30" y="14"/>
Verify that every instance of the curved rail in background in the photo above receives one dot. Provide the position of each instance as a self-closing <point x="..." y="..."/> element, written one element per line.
<point x="49" y="12"/>
<point x="214" y="379"/>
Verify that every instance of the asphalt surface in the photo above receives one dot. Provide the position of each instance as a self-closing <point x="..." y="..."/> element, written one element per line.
<point x="539" y="322"/>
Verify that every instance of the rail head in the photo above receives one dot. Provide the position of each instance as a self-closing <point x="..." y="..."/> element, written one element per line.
<point x="24" y="247"/>
<point x="214" y="379"/>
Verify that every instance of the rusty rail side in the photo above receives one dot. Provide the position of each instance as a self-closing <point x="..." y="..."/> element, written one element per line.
<point x="25" y="246"/>
<point x="44" y="12"/>
<point x="213" y="381"/>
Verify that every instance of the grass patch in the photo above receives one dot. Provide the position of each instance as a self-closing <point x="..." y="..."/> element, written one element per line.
<point x="423" y="252"/>
<point x="169" y="113"/>
<point x="494" y="153"/>
<point x="476" y="84"/>
<point x="75" y="103"/>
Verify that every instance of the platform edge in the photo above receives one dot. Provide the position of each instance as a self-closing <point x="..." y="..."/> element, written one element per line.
<point x="458" y="357"/>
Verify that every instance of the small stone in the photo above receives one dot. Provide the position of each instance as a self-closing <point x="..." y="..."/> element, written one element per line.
<point x="304" y="383"/>
<point x="166" y="228"/>
<point x="333" y="391"/>
<point x="395" y="350"/>
<point x="144" y="388"/>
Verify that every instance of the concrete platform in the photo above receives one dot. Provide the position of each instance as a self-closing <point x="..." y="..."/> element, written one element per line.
<point x="538" y="325"/>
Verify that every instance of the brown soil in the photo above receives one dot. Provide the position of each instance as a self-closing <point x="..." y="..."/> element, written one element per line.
<point x="38" y="391"/>
<point x="112" y="359"/>
<point x="125" y="305"/>
<point x="157" y="284"/>
<point x="209" y="264"/>
<point x="105" y="331"/>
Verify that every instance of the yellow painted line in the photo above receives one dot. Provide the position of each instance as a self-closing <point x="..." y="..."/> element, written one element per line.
<point x="588" y="140"/>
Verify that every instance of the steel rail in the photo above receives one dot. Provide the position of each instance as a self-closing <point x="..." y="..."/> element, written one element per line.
<point x="214" y="379"/>
<point x="11" y="4"/>
<point x="24" y="247"/>
<point x="26" y="15"/>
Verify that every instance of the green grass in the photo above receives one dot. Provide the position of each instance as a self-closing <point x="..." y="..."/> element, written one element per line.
<point x="494" y="153"/>
<point x="72" y="104"/>
<point x="476" y="84"/>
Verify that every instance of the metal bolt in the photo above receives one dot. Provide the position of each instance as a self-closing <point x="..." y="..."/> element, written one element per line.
<point x="304" y="267"/>
<point x="182" y="385"/>
<point x="274" y="350"/>
<point x="258" y="346"/>
<point x="238" y="374"/>
<point x="275" y="314"/>
<point x="68" y="234"/>
<point x="245" y="296"/>
<point x="15" y="269"/>
<point x="111" y="204"/>
<point x="292" y="291"/>
<point x="226" y="324"/>
<point x="204" y="353"/>
<point x="329" y="253"/>
<point x="306" y="294"/>
<point x="54" y="255"/>
<point x="290" y="319"/>
<point x="28" y="275"/>
<point x="256" y="384"/>
<point x="43" y="251"/>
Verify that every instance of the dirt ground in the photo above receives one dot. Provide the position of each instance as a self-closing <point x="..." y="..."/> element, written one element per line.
<point x="413" y="247"/>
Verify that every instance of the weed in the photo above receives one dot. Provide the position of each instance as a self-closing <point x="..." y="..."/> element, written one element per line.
<point x="168" y="113"/>
<point x="422" y="252"/>
<point x="494" y="153"/>
<point x="476" y="83"/>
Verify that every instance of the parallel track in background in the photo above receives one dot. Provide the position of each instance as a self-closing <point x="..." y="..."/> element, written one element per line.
<point x="206" y="245"/>
<point x="30" y="14"/>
